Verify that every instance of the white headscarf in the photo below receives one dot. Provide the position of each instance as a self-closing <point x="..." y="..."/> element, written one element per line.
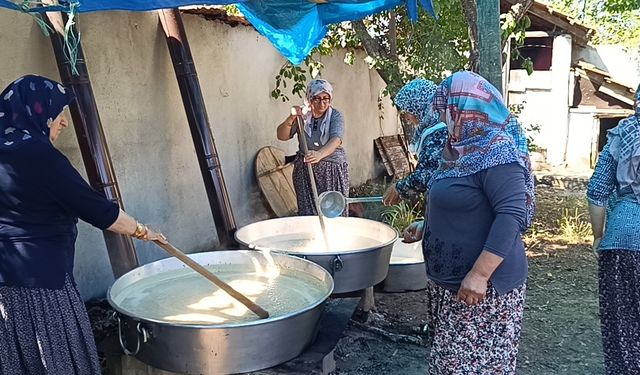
<point x="315" y="88"/>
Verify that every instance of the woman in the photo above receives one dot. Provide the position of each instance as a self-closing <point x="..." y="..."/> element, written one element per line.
<point x="44" y="327"/>
<point x="480" y="201"/>
<point x="415" y="102"/>
<point x="323" y="131"/>
<point x="617" y="176"/>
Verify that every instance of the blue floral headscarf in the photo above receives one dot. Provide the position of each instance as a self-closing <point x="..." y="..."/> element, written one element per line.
<point x="482" y="132"/>
<point x="28" y="106"/>
<point x="416" y="97"/>
<point x="624" y="147"/>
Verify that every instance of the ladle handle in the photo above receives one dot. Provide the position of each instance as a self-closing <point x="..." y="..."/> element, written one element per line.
<point x="364" y="199"/>
<point x="262" y="313"/>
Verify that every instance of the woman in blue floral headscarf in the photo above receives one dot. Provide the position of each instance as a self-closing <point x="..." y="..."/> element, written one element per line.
<point x="324" y="132"/>
<point x="480" y="201"/>
<point x="617" y="176"/>
<point x="415" y="102"/>
<point x="44" y="327"/>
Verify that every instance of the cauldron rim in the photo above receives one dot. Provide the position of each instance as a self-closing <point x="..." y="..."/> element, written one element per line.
<point x="241" y="230"/>
<point x="251" y="323"/>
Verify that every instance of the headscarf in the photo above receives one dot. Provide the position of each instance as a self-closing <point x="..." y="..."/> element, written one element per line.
<point x="28" y="106"/>
<point x="482" y="131"/>
<point x="416" y="98"/>
<point x="315" y="88"/>
<point x="625" y="148"/>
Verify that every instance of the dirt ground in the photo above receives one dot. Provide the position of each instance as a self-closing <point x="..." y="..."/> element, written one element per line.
<point x="561" y="333"/>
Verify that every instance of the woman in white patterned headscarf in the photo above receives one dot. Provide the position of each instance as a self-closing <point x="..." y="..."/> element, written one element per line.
<point x="616" y="183"/>
<point x="324" y="132"/>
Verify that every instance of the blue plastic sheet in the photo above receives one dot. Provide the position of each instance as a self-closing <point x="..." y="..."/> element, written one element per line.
<point x="294" y="27"/>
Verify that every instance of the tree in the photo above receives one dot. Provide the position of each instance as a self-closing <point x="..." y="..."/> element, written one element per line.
<point x="400" y="49"/>
<point x="617" y="21"/>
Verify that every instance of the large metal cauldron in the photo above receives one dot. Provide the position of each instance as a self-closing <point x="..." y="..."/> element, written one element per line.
<point x="357" y="256"/>
<point x="222" y="348"/>
<point x="406" y="269"/>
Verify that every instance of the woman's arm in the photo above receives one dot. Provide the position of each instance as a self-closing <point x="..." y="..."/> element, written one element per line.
<point x="326" y="150"/>
<point x="504" y="187"/>
<point x="127" y="225"/>
<point x="601" y="186"/>
<point x="285" y="129"/>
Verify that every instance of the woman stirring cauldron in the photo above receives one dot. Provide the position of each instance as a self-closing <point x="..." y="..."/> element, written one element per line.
<point x="324" y="131"/>
<point x="44" y="327"/>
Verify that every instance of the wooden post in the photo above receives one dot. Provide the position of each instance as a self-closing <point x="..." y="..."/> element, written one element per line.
<point x="93" y="144"/>
<point x="489" y="41"/>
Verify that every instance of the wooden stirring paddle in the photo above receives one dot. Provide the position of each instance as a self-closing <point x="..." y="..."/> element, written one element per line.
<point x="262" y="313"/>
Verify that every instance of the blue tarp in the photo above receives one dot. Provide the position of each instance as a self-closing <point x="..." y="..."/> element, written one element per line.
<point x="294" y="27"/>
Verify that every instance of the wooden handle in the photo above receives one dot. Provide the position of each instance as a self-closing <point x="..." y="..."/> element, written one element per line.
<point x="263" y="314"/>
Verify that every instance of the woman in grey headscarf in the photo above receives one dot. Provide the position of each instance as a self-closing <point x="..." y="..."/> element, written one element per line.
<point x="324" y="131"/>
<point x="616" y="183"/>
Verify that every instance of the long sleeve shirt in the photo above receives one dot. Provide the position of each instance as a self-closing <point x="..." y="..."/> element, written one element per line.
<point x="428" y="162"/>
<point x="466" y="215"/>
<point x="41" y="197"/>
<point x="623" y="217"/>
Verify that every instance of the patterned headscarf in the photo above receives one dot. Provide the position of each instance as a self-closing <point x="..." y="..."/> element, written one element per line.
<point x="28" y="106"/>
<point x="482" y="131"/>
<point x="625" y="148"/>
<point x="315" y="88"/>
<point x="416" y="97"/>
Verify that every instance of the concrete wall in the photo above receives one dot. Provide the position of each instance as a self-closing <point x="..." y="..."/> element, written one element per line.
<point x="583" y="136"/>
<point x="544" y="95"/>
<point x="145" y="124"/>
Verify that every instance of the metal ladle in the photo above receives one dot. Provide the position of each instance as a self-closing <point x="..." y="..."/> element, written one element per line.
<point x="333" y="203"/>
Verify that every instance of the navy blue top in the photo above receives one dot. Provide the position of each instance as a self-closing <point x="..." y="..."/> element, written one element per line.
<point x="41" y="197"/>
<point x="466" y="215"/>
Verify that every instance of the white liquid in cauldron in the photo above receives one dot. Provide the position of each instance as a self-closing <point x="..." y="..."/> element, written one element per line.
<point x="183" y="296"/>
<point x="302" y="243"/>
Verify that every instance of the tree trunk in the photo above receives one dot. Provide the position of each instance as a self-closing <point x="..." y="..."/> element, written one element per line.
<point x="469" y="8"/>
<point x="377" y="51"/>
<point x="519" y="10"/>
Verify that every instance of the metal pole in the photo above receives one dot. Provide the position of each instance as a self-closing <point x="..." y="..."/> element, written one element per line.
<point x="198" y="119"/>
<point x="489" y="42"/>
<point x="93" y="144"/>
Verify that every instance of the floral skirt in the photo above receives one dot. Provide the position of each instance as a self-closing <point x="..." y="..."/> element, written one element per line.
<point x="45" y="331"/>
<point x="619" y="279"/>
<point x="480" y="339"/>
<point x="329" y="176"/>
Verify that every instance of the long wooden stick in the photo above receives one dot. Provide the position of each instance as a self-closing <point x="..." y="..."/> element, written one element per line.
<point x="262" y="313"/>
<point x="312" y="179"/>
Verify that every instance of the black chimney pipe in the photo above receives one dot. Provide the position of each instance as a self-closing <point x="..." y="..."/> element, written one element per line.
<point x="93" y="145"/>
<point x="198" y="119"/>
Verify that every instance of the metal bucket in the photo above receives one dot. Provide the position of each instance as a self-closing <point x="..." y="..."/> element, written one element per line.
<point x="357" y="256"/>
<point x="406" y="268"/>
<point x="221" y="348"/>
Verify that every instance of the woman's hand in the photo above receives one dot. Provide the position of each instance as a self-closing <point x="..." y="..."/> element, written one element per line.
<point x="296" y="110"/>
<point x="391" y="196"/>
<point x="313" y="157"/>
<point x="414" y="232"/>
<point x="473" y="289"/>
<point x="596" y="244"/>
<point x="155" y="236"/>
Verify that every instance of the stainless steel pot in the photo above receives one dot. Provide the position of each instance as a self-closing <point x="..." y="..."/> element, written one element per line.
<point x="221" y="348"/>
<point x="406" y="269"/>
<point x="357" y="256"/>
